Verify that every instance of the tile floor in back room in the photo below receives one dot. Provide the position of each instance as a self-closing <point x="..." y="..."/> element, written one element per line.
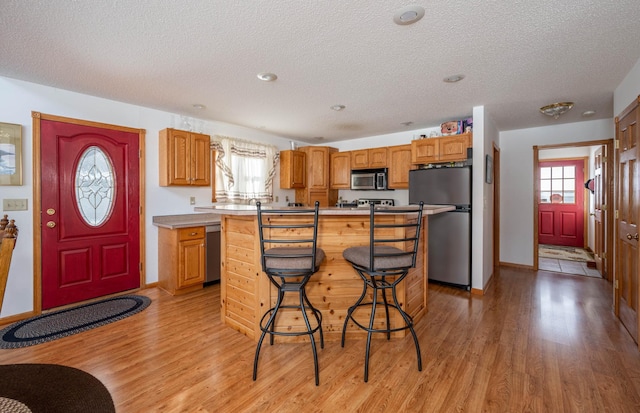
<point x="567" y="267"/>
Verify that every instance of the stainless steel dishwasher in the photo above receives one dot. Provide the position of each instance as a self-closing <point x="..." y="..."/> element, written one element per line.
<point x="212" y="264"/>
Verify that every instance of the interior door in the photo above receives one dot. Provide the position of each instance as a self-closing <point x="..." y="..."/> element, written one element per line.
<point x="626" y="273"/>
<point x="561" y="208"/>
<point x="90" y="212"/>
<point x="599" y="214"/>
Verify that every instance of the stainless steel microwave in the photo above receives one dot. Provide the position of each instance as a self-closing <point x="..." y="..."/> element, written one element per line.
<point x="369" y="179"/>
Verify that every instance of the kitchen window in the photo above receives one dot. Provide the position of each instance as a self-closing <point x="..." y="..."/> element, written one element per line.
<point x="244" y="170"/>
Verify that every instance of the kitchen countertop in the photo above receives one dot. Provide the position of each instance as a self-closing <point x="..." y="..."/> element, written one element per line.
<point x="186" y="220"/>
<point x="233" y="209"/>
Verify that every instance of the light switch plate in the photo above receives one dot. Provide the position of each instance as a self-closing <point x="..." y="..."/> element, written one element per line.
<point x="14" y="204"/>
<point x="192" y="200"/>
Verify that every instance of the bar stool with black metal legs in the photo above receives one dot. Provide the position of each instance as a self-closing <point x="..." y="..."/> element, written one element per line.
<point x="290" y="256"/>
<point x="382" y="265"/>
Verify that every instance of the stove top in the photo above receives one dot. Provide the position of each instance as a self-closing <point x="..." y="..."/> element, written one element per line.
<point x="364" y="203"/>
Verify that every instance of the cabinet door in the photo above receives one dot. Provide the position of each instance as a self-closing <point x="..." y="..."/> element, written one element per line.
<point x="341" y="170"/>
<point x="378" y="158"/>
<point x="317" y="167"/>
<point x="425" y="150"/>
<point x="399" y="166"/>
<point x="320" y="196"/>
<point x="360" y="159"/>
<point x="191" y="258"/>
<point x="454" y="148"/>
<point x="200" y="158"/>
<point x="174" y="157"/>
<point x="185" y="158"/>
<point x="292" y="169"/>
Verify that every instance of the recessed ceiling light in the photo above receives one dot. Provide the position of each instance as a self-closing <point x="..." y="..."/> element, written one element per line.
<point x="199" y="106"/>
<point x="453" y="79"/>
<point x="408" y="15"/>
<point x="267" y="77"/>
<point x="337" y="108"/>
<point x="588" y="113"/>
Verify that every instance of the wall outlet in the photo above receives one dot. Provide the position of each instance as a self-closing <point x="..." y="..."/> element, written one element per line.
<point x="192" y="200"/>
<point x="14" y="204"/>
<point x="277" y="198"/>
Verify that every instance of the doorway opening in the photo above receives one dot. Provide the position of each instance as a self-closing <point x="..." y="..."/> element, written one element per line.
<point x="573" y="189"/>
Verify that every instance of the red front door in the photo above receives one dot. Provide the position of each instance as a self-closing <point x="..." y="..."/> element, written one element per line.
<point x="561" y="208"/>
<point x="90" y="212"/>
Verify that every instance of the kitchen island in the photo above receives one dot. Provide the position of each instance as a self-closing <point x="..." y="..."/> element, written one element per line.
<point x="246" y="292"/>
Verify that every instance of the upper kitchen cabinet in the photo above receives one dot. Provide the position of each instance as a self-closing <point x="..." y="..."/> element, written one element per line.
<point x="340" y="170"/>
<point x="442" y="149"/>
<point x="399" y="166"/>
<point x="317" y="165"/>
<point x="369" y="158"/>
<point x="185" y="158"/>
<point x="292" y="169"/>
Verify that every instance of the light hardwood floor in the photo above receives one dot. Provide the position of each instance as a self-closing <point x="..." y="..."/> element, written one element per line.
<point x="536" y="342"/>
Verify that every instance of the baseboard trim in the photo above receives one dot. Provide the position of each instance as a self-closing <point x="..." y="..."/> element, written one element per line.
<point x="514" y="265"/>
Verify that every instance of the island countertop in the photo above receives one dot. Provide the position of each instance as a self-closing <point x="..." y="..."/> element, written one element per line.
<point x="234" y="209"/>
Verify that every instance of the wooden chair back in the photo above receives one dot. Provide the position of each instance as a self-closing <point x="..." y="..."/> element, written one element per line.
<point x="8" y="238"/>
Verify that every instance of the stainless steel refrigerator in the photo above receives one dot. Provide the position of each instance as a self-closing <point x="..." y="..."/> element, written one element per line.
<point x="449" y="232"/>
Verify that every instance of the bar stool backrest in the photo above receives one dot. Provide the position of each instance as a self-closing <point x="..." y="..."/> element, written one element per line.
<point x="394" y="238"/>
<point x="288" y="239"/>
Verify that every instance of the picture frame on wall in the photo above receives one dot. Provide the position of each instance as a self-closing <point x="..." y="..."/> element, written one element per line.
<point x="10" y="154"/>
<point x="488" y="172"/>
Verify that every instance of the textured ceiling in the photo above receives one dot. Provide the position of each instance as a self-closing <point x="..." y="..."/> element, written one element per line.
<point x="516" y="56"/>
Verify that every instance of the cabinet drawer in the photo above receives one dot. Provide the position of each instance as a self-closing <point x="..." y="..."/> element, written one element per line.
<point x="185" y="234"/>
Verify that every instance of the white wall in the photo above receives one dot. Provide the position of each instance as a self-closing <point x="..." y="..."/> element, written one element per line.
<point x="484" y="136"/>
<point x="20" y="98"/>
<point x="627" y="91"/>
<point x="516" y="180"/>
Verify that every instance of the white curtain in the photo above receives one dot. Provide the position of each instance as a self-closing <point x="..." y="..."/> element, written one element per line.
<point x="244" y="170"/>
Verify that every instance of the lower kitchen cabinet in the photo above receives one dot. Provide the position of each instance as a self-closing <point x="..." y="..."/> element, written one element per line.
<point x="181" y="259"/>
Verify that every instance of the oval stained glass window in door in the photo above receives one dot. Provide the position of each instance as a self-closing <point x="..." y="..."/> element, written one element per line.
<point x="95" y="186"/>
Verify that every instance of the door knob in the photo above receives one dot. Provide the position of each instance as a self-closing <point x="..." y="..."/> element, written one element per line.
<point x="635" y="237"/>
<point x="51" y="211"/>
<point x="51" y="224"/>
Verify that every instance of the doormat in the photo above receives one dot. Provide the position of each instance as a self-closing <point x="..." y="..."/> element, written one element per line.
<point x="564" y="253"/>
<point x="52" y="388"/>
<point x="58" y="324"/>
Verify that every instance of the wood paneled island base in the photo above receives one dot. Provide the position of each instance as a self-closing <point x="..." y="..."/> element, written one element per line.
<point x="246" y="292"/>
